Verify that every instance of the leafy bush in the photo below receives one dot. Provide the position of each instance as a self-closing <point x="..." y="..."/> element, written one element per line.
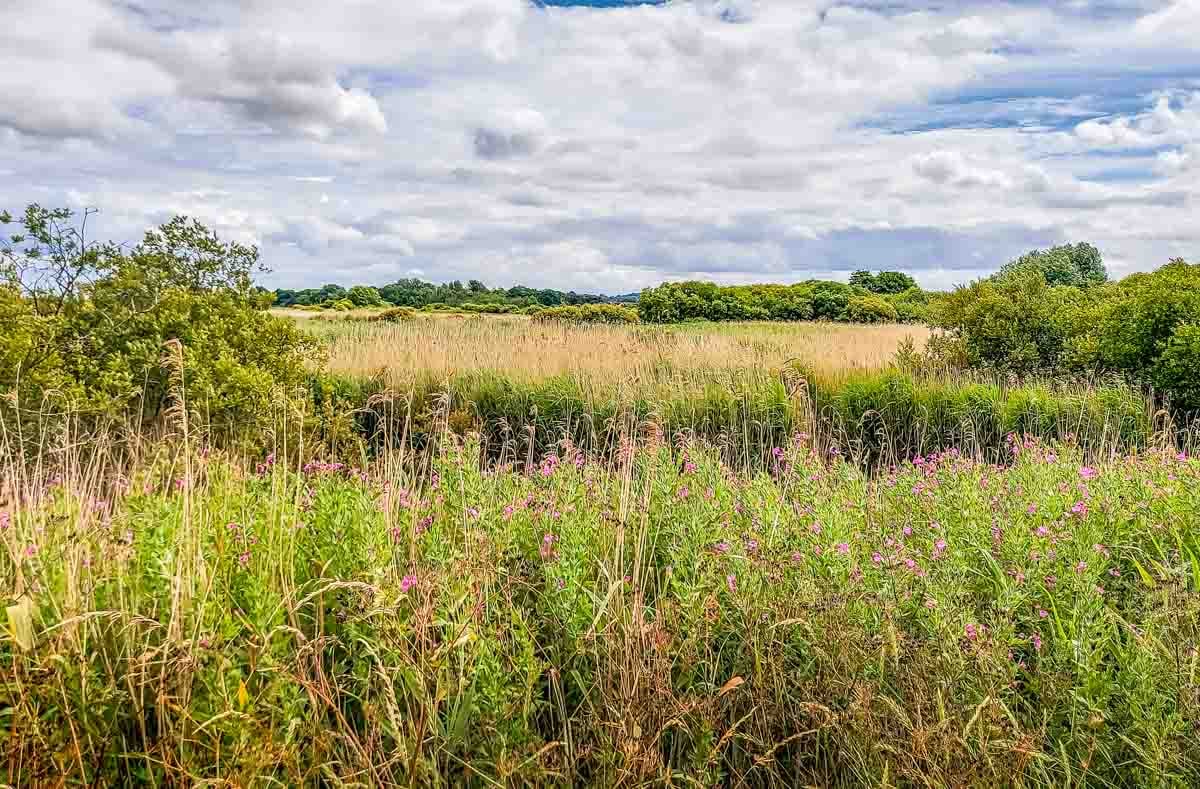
<point x="342" y="305"/>
<point x="94" y="341"/>
<point x="588" y="313"/>
<point x="364" y="296"/>
<point x="870" y="309"/>
<point x="912" y="305"/>
<point x="396" y="315"/>
<point x="1177" y="370"/>
<point x="1019" y="323"/>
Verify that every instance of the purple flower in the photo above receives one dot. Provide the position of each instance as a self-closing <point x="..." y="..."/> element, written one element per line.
<point x="843" y="548"/>
<point x="1087" y="472"/>
<point x="244" y="559"/>
<point x="407" y="582"/>
<point x="721" y="547"/>
<point x="731" y="582"/>
<point x="1037" y="642"/>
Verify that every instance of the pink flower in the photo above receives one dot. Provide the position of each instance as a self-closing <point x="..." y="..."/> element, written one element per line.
<point x="722" y="547"/>
<point x="1080" y="509"/>
<point x="930" y="603"/>
<point x="974" y="632"/>
<point x="407" y="582"/>
<point x="1043" y="613"/>
<point x="1081" y="567"/>
<point x="1087" y="472"/>
<point x="797" y="557"/>
<point x="244" y="559"/>
<point x="939" y="548"/>
<point x="1032" y="508"/>
<point x="731" y="582"/>
<point x="5" y="519"/>
<point x="689" y="467"/>
<point x="546" y="549"/>
<point x="876" y="558"/>
<point x="1037" y="642"/>
<point x="907" y="531"/>
<point x="751" y="546"/>
<point x="843" y="548"/>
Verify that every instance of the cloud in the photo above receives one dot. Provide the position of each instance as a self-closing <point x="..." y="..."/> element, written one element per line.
<point x="743" y="140"/>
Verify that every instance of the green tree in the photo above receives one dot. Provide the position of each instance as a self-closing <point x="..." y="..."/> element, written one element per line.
<point x="1080" y="265"/>
<point x="364" y="296"/>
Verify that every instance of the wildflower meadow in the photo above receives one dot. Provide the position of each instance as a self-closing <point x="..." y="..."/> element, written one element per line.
<point x="652" y="617"/>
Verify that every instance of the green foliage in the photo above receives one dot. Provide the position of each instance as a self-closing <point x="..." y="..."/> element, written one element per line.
<point x="870" y="309"/>
<point x="663" y="620"/>
<point x="341" y="305"/>
<point x="1018" y="323"/>
<point x="1021" y="323"/>
<point x="1078" y="265"/>
<point x="420" y="294"/>
<point x="84" y="326"/>
<point x="587" y="313"/>
<point x="888" y="282"/>
<point x="396" y="315"/>
<point x="1177" y="369"/>
<point x="365" y="296"/>
<point x="676" y="302"/>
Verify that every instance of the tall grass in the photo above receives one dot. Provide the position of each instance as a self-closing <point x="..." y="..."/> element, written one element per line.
<point x="525" y="350"/>
<point x="654" y="619"/>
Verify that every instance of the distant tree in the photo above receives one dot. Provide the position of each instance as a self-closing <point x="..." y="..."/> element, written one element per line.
<point x="364" y="296"/>
<point x="1079" y="265"/>
<point x="475" y="286"/>
<point x="862" y="279"/>
<point x="892" y="282"/>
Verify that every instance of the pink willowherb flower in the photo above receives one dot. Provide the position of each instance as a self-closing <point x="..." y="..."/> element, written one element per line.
<point x="974" y="631"/>
<point x="546" y="549"/>
<point x="407" y="582"/>
<point x="1087" y="472"/>
<point x="722" y="547"/>
<point x="939" y="548"/>
<point x="1036" y="640"/>
<point x="731" y="582"/>
<point x="843" y="548"/>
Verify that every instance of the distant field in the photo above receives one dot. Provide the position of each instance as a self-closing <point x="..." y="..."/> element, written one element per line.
<point x="442" y="345"/>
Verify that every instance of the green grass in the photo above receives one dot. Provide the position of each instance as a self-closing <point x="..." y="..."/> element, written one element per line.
<point x="655" y="618"/>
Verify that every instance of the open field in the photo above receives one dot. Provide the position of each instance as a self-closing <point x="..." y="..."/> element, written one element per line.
<point x="443" y="346"/>
<point x="658" y="620"/>
<point x="744" y="386"/>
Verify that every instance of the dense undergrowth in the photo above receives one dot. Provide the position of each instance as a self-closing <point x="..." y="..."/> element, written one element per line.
<point x="657" y="618"/>
<point x="872" y="418"/>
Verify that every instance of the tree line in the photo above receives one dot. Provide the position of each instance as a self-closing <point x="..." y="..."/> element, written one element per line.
<point x="418" y="294"/>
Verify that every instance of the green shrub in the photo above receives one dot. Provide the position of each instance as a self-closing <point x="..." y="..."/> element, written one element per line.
<point x="364" y="296"/>
<point x="103" y="343"/>
<point x="342" y="305"/>
<point x="1177" y="369"/>
<point x="396" y="315"/>
<point x="588" y="313"/>
<point x="870" y="309"/>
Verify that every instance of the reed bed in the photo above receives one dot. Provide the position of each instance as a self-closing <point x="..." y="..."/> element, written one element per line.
<point x="445" y="346"/>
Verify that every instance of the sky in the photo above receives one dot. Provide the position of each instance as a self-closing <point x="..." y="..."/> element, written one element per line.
<point x="606" y="146"/>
